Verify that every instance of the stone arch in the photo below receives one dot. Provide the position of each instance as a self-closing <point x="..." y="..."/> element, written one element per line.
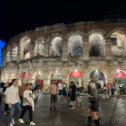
<point x="39" y="46"/>
<point x="98" y="76"/>
<point x="23" y="68"/>
<point x="75" y="44"/>
<point x="54" y="75"/>
<point x="96" y="45"/>
<point x="78" y="77"/>
<point x="119" y="29"/>
<point x="100" y="31"/>
<point x="56" y="46"/>
<point x="37" y="75"/>
<point x="118" y="40"/>
<point x="14" y="53"/>
<point x="25" y="47"/>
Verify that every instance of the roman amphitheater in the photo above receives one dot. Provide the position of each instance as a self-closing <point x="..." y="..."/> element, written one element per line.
<point x="96" y="49"/>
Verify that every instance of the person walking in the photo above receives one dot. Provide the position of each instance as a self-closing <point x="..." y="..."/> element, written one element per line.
<point x="60" y="92"/>
<point x="93" y="115"/>
<point x="6" y="108"/>
<point x="22" y="88"/>
<point x="28" y="104"/>
<point x="13" y="101"/>
<point x="73" y="94"/>
<point x="53" y="89"/>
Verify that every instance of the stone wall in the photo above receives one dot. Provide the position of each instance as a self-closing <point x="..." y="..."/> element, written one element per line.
<point x="48" y="65"/>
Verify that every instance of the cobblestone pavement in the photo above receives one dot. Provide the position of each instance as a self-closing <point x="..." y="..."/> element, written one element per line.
<point x="112" y="112"/>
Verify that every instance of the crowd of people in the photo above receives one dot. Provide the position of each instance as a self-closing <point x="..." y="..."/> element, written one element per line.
<point x="21" y="98"/>
<point x="17" y="100"/>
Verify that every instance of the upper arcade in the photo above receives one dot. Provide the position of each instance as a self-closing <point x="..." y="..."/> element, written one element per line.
<point x="83" y="40"/>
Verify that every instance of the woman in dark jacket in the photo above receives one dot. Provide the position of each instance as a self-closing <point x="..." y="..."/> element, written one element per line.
<point x="73" y="89"/>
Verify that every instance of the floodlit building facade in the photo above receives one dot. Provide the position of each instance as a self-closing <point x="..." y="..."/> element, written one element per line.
<point x="97" y="49"/>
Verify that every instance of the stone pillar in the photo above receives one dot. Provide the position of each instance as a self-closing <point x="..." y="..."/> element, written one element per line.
<point x="86" y="49"/>
<point x="65" y="51"/>
<point x="32" y="45"/>
<point x="11" y="54"/>
<point x="108" y="52"/>
<point x="46" y="46"/>
<point x="4" y="57"/>
<point x="20" y="52"/>
<point x="46" y="50"/>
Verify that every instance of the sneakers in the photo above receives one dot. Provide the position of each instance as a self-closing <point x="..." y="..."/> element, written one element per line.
<point x="21" y="120"/>
<point x="32" y="124"/>
<point x="11" y="124"/>
<point x="73" y="108"/>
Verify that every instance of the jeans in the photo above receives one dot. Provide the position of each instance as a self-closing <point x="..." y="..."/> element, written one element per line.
<point x="14" y="111"/>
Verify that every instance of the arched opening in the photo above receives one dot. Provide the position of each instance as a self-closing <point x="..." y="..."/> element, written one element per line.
<point x="56" y="47"/>
<point x="37" y="78"/>
<point x="77" y="77"/>
<point x="97" y="45"/>
<point x="39" y="47"/>
<point x="118" y="40"/>
<point x="14" y="53"/>
<point x="75" y="45"/>
<point x="98" y="77"/>
<point x="25" y="47"/>
<point x="54" y="75"/>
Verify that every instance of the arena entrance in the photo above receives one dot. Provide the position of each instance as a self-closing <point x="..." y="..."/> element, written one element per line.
<point x="77" y="77"/>
<point x="98" y="77"/>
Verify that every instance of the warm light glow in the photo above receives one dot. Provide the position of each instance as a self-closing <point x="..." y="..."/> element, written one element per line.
<point x="27" y="55"/>
<point x="118" y="70"/>
<point x="75" y="45"/>
<point x="56" y="46"/>
<point x="97" y="40"/>
<point x="75" y="70"/>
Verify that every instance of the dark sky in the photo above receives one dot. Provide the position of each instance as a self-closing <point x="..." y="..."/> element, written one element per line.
<point x="19" y="16"/>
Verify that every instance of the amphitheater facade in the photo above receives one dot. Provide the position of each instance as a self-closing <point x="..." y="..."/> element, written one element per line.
<point x="53" y="52"/>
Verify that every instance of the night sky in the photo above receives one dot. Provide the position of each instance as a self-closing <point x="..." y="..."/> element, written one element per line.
<point x="18" y="16"/>
<point x="21" y="15"/>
